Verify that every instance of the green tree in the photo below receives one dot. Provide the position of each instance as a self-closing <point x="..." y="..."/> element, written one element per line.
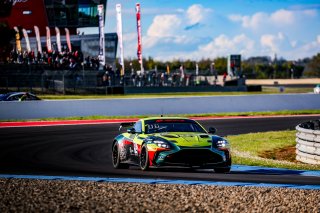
<point x="204" y="66"/>
<point x="312" y="69"/>
<point x="248" y="70"/>
<point x="149" y="63"/>
<point x="220" y="65"/>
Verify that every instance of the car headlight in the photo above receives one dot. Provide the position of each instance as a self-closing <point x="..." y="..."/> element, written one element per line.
<point x="223" y="144"/>
<point x="162" y="144"/>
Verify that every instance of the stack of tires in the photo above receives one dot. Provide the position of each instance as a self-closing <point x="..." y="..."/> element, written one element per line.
<point x="308" y="142"/>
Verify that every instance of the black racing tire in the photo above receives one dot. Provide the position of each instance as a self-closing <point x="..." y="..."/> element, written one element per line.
<point x="116" y="158"/>
<point x="144" y="158"/>
<point x="222" y="170"/>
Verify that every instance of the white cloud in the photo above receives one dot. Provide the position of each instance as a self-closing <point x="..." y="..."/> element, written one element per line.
<point x="255" y="21"/>
<point x="310" y="13"/>
<point x="280" y="18"/>
<point x="280" y="44"/>
<point x="235" y="17"/>
<point x="223" y="46"/>
<point x="263" y="34"/>
<point x="127" y="37"/>
<point x="125" y="11"/>
<point x="272" y="42"/>
<point x="164" y="25"/>
<point x="306" y="50"/>
<point x="293" y="43"/>
<point x="180" y="10"/>
<point x="196" y="13"/>
<point x="269" y="44"/>
<point x="169" y="28"/>
<point x="291" y="50"/>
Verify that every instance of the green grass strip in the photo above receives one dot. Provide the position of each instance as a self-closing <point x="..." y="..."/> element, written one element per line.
<point x="245" y="149"/>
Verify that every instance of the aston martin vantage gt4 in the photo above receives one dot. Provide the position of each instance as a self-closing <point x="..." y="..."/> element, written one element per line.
<point x="168" y="141"/>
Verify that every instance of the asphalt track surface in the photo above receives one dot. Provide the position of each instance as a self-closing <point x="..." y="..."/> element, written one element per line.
<point x="85" y="150"/>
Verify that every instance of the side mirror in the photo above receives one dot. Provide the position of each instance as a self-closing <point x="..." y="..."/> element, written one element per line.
<point x="212" y="130"/>
<point x="131" y="131"/>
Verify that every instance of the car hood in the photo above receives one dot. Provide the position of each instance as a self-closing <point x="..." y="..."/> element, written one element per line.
<point x="187" y="139"/>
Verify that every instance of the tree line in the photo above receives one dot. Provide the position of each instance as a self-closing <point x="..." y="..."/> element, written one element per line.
<point x="262" y="67"/>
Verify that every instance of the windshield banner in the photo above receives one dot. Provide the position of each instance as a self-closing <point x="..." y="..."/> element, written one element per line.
<point x="36" y="30"/>
<point x="101" y="55"/>
<point x="26" y="37"/>
<point x="119" y="32"/>
<point x="58" y="39"/>
<point x="49" y="49"/>
<point x="139" y="48"/>
<point x="68" y="39"/>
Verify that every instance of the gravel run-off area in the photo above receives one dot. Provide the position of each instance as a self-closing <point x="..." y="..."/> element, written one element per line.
<point x="26" y="195"/>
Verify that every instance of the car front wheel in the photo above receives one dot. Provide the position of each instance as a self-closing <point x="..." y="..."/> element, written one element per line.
<point x="144" y="158"/>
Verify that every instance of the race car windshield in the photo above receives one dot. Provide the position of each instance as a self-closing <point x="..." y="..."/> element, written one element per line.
<point x="158" y="126"/>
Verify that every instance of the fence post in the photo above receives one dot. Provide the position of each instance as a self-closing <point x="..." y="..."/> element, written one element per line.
<point x="63" y="84"/>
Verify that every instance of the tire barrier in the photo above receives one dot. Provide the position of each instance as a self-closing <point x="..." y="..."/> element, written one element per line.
<point x="308" y="142"/>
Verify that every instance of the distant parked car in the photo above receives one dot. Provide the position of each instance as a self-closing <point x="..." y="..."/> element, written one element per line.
<point x="316" y="90"/>
<point x="19" y="96"/>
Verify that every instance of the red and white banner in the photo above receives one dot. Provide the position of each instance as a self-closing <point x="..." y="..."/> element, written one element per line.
<point x="49" y="49"/>
<point x="197" y="69"/>
<point x="101" y="55"/>
<point x="37" y="32"/>
<point x="139" y="48"/>
<point x="68" y="39"/>
<point x="58" y="39"/>
<point x="182" y="71"/>
<point x="119" y="32"/>
<point x="26" y="37"/>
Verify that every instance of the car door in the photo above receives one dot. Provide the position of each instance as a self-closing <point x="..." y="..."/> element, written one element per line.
<point x="137" y="138"/>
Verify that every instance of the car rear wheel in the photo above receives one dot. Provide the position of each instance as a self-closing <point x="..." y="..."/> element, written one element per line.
<point x="144" y="158"/>
<point x="116" y="158"/>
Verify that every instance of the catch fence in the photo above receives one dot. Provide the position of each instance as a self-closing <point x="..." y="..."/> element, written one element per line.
<point x="45" y="79"/>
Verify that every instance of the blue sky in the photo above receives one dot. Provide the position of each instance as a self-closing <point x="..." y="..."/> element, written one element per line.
<point x="189" y="29"/>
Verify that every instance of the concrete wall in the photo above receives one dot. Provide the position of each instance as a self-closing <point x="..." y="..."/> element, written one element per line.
<point x="271" y="82"/>
<point x="147" y="106"/>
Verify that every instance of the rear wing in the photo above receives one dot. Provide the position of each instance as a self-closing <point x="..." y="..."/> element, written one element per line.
<point x="126" y="125"/>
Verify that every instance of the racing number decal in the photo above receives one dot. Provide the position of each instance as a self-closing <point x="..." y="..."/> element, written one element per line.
<point x="135" y="149"/>
<point x="137" y="144"/>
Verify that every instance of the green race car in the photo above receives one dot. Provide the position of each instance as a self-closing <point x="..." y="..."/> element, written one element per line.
<point x="170" y="141"/>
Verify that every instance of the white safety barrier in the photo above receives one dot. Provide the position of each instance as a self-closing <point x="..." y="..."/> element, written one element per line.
<point x="308" y="142"/>
<point x="10" y="110"/>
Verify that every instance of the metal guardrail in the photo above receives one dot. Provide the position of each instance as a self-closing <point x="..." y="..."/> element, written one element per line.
<point x="308" y="142"/>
